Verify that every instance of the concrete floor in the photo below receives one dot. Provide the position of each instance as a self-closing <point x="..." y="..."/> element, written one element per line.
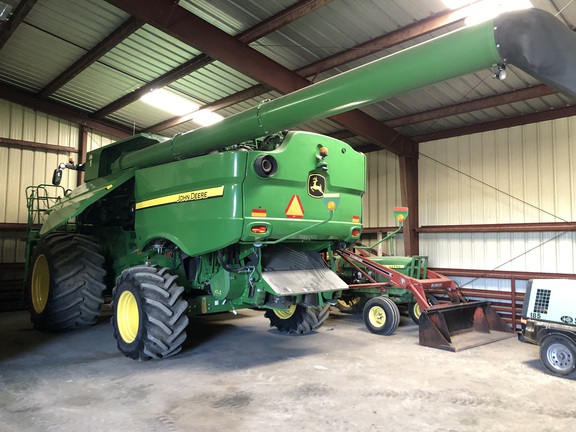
<point x="237" y="374"/>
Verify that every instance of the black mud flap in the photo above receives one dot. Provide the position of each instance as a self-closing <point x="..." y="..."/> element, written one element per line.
<point x="462" y="326"/>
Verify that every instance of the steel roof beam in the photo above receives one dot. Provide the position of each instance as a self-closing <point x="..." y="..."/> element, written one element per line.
<point x="62" y="111"/>
<point x="9" y="27"/>
<point x="256" y="32"/>
<point x="404" y="34"/>
<point x="105" y="45"/>
<point x="473" y="105"/>
<point x="189" y="28"/>
<point x="552" y="114"/>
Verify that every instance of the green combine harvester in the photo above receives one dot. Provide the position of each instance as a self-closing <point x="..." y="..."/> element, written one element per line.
<point x="243" y="214"/>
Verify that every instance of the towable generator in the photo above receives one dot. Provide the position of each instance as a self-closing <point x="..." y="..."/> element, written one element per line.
<point x="236" y="215"/>
<point x="549" y="320"/>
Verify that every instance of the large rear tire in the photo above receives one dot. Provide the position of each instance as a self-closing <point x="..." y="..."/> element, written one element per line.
<point x="558" y="355"/>
<point x="149" y="313"/>
<point x="298" y="319"/>
<point x="65" y="282"/>
<point x="381" y="316"/>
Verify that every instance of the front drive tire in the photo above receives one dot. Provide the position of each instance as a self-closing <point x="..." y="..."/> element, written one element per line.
<point x="65" y="282"/>
<point x="298" y="319"/>
<point x="381" y="316"/>
<point x="558" y="355"/>
<point x="149" y="313"/>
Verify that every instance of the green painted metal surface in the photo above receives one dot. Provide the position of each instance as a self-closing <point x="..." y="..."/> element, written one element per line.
<point x="458" y="53"/>
<point x="206" y="203"/>
<point x="173" y="201"/>
<point x="291" y="200"/>
<point x="82" y="197"/>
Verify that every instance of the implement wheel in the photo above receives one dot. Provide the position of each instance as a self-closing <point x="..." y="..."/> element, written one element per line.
<point x="351" y="305"/>
<point x="149" y="313"/>
<point x="65" y="282"/>
<point x="558" y="355"/>
<point x="297" y="319"/>
<point x="414" y="308"/>
<point x="381" y="316"/>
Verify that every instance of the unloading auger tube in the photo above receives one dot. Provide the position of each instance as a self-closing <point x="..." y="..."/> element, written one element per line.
<point x="532" y="40"/>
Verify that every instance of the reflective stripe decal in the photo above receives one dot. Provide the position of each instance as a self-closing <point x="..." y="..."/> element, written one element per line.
<point x="196" y="195"/>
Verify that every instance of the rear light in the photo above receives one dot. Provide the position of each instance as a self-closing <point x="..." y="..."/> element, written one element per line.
<point x="259" y="229"/>
<point x="355" y="232"/>
<point x="523" y="320"/>
<point x="323" y="151"/>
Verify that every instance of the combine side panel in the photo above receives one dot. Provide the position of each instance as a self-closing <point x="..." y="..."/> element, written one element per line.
<point x="195" y="203"/>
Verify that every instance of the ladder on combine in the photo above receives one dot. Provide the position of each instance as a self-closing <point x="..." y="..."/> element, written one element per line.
<point x="39" y="199"/>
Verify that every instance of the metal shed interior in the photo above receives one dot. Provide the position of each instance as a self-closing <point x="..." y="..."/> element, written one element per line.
<point x="494" y="180"/>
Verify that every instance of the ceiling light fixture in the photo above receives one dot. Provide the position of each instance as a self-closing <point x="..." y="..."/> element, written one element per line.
<point x="206" y="118"/>
<point x="485" y="10"/>
<point x="169" y="102"/>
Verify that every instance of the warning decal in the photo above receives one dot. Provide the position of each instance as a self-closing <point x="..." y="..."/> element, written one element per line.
<point x="294" y="209"/>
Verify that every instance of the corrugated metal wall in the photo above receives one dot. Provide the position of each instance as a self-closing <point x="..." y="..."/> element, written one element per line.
<point x="518" y="175"/>
<point x="21" y="167"/>
<point x="382" y="195"/>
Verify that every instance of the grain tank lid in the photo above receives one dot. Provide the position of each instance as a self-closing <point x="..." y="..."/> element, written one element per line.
<point x="540" y="45"/>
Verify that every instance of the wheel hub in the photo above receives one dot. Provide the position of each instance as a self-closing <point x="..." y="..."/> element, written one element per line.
<point x="560" y="357"/>
<point x="377" y="316"/>
<point x="40" y="284"/>
<point x="416" y="310"/>
<point x="127" y="317"/>
<point x="285" y="314"/>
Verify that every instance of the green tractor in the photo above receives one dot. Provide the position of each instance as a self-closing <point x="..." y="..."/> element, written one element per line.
<point x="365" y="284"/>
<point x="239" y="215"/>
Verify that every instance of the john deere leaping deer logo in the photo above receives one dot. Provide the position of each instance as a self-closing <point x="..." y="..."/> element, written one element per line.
<point x="316" y="185"/>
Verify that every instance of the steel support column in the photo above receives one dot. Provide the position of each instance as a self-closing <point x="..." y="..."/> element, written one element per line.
<point x="409" y="197"/>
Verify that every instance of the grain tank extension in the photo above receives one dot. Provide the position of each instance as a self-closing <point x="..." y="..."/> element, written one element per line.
<point x="234" y="215"/>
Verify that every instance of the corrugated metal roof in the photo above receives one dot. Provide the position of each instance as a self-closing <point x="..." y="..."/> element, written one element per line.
<point x="58" y="32"/>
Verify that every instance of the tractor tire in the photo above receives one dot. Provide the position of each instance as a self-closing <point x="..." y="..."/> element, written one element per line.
<point x="381" y="316"/>
<point x="65" y="282"/>
<point x="414" y="308"/>
<point x="149" y="313"/>
<point x="298" y="319"/>
<point x="558" y="355"/>
<point x="352" y="305"/>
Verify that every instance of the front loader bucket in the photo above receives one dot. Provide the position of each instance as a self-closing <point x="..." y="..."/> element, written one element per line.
<point x="461" y="326"/>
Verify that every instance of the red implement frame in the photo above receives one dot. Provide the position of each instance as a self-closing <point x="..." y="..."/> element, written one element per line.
<point x="454" y="327"/>
<point x="417" y="287"/>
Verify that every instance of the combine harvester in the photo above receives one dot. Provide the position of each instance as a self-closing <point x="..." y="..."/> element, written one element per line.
<point x="234" y="215"/>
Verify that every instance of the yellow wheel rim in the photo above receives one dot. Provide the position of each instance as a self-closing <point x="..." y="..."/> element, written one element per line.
<point x="127" y="317"/>
<point x="350" y="303"/>
<point x="416" y="310"/>
<point x="285" y="314"/>
<point x="40" y="284"/>
<point x="377" y="316"/>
